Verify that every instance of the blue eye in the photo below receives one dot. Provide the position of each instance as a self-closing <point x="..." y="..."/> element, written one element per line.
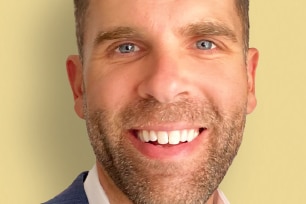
<point x="205" y="45"/>
<point x="127" y="48"/>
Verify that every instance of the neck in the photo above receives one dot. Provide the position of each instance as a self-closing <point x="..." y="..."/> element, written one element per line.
<point x="114" y="194"/>
<point x="213" y="198"/>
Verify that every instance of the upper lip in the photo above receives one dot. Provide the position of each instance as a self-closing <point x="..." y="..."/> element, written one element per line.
<point x="168" y="127"/>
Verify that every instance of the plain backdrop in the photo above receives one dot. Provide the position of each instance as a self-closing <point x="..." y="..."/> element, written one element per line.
<point x="44" y="145"/>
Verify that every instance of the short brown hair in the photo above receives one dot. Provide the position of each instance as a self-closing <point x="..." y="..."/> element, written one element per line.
<point x="80" y="12"/>
<point x="81" y="8"/>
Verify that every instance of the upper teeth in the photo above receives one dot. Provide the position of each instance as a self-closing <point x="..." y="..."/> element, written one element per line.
<point x="168" y="137"/>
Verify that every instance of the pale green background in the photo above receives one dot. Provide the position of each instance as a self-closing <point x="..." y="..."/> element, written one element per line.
<point x="44" y="145"/>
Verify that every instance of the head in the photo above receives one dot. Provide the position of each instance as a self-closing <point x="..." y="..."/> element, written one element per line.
<point x="164" y="87"/>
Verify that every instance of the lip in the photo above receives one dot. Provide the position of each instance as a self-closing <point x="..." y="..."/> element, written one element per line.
<point x="167" y="152"/>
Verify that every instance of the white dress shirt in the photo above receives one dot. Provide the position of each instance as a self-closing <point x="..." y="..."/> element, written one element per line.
<point x="94" y="191"/>
<point x="96" y="195"/>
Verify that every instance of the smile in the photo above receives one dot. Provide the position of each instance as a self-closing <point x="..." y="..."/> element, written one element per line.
<point x="168" y="137"/>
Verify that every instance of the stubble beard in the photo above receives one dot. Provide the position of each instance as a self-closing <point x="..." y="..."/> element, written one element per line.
<point x="147" y="181"/>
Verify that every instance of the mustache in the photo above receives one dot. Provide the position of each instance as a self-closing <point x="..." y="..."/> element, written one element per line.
<point x="149" y="111"/>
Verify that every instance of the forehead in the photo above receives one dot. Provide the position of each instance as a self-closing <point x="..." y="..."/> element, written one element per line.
<point x="156" y="16"/>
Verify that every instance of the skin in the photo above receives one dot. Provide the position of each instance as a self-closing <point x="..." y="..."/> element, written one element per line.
<point x="167" y="68"/>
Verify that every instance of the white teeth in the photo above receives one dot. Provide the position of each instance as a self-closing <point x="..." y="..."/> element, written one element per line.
<point x="190" y="136"/>
<point x="168" y="137"/>
<point x="184" y="135"/>
<point x="146" y="136"/>
<point x="153" y="136"/>
<point x="174" y="137"/>
<point x="196" y="133"/>
<point x="140" y="136"/>
<point x="162" y="137"/>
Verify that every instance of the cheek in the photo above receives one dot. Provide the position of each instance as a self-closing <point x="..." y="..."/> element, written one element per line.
<point x="224" y="85"/>
<point x="109" y="91"/>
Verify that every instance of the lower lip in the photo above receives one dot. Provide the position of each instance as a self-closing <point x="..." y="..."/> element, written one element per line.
<point x="167" y="152"/>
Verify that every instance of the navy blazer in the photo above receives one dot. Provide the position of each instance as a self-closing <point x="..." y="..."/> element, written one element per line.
<point x="74" y="194"/>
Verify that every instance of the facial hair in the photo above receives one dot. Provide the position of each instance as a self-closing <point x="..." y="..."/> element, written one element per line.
<point x="147" y="181"/>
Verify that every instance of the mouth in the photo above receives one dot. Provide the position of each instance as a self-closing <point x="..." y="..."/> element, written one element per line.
<point x="173" y="137"/>
<point x="166" y="144"/>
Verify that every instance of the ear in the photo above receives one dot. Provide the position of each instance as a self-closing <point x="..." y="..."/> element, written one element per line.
<point x="75" y="75"/>
<point x="252" y="61"/>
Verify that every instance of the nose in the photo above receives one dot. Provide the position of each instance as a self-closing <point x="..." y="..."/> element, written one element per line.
<point x="165" y="80"/>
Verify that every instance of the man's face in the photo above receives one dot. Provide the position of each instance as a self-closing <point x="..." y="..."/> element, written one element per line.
<point x="164" y="88"/>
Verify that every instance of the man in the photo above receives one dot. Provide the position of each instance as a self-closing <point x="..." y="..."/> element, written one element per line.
<point x="164" y="87"/>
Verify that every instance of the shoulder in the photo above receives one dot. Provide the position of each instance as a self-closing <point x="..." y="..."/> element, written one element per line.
<point x="75" y="193"/>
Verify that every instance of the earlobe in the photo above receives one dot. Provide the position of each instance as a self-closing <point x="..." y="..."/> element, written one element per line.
<point x="75" y="75"/>
<point x="252" y="61"/>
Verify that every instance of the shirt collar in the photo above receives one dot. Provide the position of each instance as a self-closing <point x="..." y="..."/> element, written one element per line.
<point x="95" y="193"/>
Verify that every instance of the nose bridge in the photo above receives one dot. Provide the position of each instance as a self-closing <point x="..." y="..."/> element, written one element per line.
<point x="165" y="80"/>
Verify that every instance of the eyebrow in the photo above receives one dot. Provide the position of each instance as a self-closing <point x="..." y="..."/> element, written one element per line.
<point x="115" y="33"/>
<point x="194" y="29"/>
<point x="208" y="29"/>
